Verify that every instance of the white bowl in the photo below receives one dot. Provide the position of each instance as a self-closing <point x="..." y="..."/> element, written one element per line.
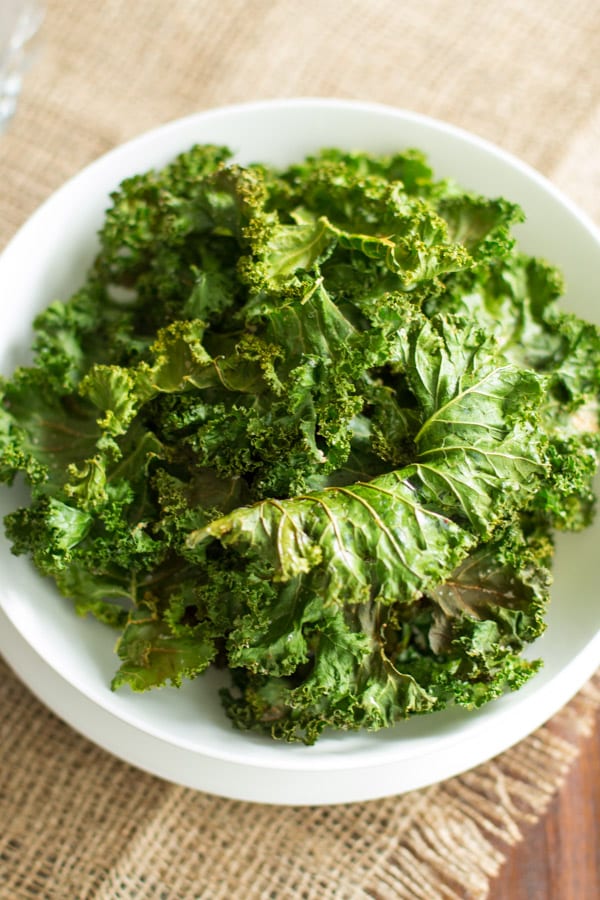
<point x="183" y="735"/>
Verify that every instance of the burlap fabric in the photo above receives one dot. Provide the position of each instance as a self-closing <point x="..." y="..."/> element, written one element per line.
<point x="76" y="823"/>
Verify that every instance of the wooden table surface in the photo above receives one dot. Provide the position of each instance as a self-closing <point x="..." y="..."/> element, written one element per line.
<point x="559" y="857"/>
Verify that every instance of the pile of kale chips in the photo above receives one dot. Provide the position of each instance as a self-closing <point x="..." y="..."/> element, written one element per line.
<point x="315" y="425"/>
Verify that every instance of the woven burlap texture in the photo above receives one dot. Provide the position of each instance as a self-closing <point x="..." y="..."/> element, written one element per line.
<point x="76" y="823"/>
<point x="80" y="825"/>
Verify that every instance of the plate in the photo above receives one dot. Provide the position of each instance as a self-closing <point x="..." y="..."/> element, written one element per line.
<point x="183" y="735"/>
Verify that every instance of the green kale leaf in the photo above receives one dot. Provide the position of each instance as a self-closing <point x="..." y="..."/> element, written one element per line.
<point x="315" y="425"/>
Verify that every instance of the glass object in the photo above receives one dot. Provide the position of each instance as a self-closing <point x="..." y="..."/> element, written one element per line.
<point x="19" y="23"/>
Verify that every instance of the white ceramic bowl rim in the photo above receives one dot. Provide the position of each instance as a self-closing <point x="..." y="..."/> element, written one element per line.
<point x="63" y="262"/>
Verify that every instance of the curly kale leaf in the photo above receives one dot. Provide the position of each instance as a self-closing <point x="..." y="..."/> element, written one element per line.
<point x="370" y="665"/>
<point x="153" y="655"/>
<point x="516" y="301"/>
<point x="316" y="425"/>
<point x="476" y="453"/>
